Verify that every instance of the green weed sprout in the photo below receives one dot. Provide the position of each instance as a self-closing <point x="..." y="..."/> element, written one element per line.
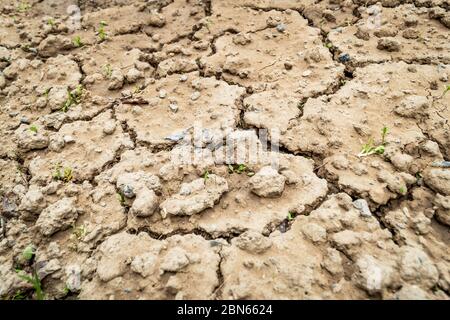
<point x="51" y="22"/>
<point x="447" y="89"/>
<point x="73" y="98"/>
<point x="28" y="253"/>
<point x="33" y="128"/>
<point x="77" y="42"/>
<point x="23" y="7"/>
<point x="79" y="232"/>
<point x="121" y="198"/>
<point x="107" y="71"/>
<point x="34" y="280"/>
<point x="101" y="31"/>
<point x="370" y="148"/>
<point x="64" y="175"/>
<point x="239" y="169"/>
<point x="206" y="175"/>
<point x="290" y="216"/>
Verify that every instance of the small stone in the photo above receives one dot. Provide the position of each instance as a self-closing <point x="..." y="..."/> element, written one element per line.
<point x="363" y="207"/>
<point x="162" y="93"/>
<point x="24" y="120"/>
<point x="173" y="107"/>
<point x="68" y="139"/>
<point x="128" y="191"/>
<point x="145" y="203"/>
<point x="344" y="57"/>
<point x="281" y="27"/>
<point x="267" y="183"/>
<point x="306" y="73"/>
<point x="175" y="260"/>
<point x="195" y="95"/>
<point x="109" y="127"/>
<point x="388" y="44"/>
<point x="133" y="75"/>
<point x="183" y="78"/>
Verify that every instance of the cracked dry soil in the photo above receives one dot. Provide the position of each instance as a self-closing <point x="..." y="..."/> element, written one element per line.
<point x="98" y="99"/>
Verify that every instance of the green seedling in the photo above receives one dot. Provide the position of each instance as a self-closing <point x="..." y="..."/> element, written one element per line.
<point x="403" y="190"/>
<point x="28" y="253"/>
<point x="34" y="280"/>
<point x="101" y="31"/>
<point x="370" y="148"/>
<point x="66" y="290"/>
<point x="64" y="175"/>
<point x="206" y="175"/>
<point x="46" y="92"/>
<point x="73" y="98"/>
<point x="121" y="198"/>
<point x="239" y="169"/>
<point x="23" y="7"/>
<point x="447" y="89"/>
<point x="77" y="42"/>
<point x="290" y="216"/>
<point x="51" y="22"/>
<point x="18" y="296"/>
<point x="79" y="232"/>
<point x="33" y="128"/>
<point x="107" y="71"/>
<point x="384" y="133"/>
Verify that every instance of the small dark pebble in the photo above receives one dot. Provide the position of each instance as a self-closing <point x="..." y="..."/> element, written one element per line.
<point x="344" y="57"/>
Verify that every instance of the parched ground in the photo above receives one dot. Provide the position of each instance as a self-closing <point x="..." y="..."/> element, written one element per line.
<point x="108" y="190"/>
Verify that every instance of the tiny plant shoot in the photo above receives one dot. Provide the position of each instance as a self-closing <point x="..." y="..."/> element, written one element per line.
<point x="101" y="31"/>
<point x="77" y="42"/>
<point x="370" y="148"/>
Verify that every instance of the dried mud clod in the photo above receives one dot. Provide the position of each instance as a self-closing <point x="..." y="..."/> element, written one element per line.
<point x="109" y="189"/>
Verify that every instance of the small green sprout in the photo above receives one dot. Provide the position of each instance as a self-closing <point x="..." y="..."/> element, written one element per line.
<point x="33" y="128"/>
<point x="101" y="31"/>
<point x="68" y="176"/>
<point x="239" y="169"/>
<point x="290" y="216"/>
<point x="79" y="232"/>
<point x="77" y="42"/>
<point x="447" y="89"/>
<point x="107" y="71"/>
<point x="403" y="190"/>
<point x="206" y="175"/>
<point x="73" y="98"/>
<point x="18" y="296"/>
<point x="28" y="253"/>
<point x="23" y="6"/>
<point x="51" y="22"/>
<point x="121" y="198"/>
<point x="64" y="175"/>
<point x="66" y="290"/>
<point x="34" y="280"/>
<point x="384" y="133"/>
<point x="46" y="92"/>
<point x="370" y="148"/>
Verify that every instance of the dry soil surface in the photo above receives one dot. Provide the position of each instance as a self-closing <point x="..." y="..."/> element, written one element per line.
<point x="348" y="199"/>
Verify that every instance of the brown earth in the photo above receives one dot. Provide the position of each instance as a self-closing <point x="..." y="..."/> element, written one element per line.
<point x="100" y="100"/>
